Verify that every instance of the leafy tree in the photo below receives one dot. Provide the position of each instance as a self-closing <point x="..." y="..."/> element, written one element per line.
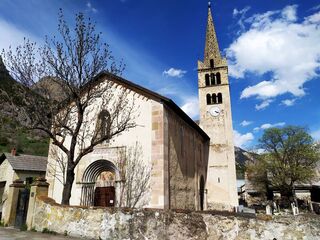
<point x="67" y="67"/>
<point x="290" y="158"/>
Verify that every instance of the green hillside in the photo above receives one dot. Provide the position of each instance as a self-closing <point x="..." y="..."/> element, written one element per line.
<point x="13" y="96"/>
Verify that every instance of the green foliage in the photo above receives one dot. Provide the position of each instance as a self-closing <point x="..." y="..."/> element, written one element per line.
<point x="24" y="227"/>
<point x="291" y="158"/>
<point x="33" y="229"/>
<point x="13" y="135"/>
<point x="1" y="224"/>
<point x="46" y="230"/>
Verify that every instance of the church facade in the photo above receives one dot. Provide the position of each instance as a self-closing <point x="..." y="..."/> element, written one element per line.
<point x="192" y="166"/>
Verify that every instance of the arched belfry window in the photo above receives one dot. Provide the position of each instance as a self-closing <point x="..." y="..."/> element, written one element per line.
<point x="213" y="79"/>
<point x="219" y="96"/>
<point x="211" y="63"/>
<point x="209" y="99"/>
<point x="214" y="98"/>
<point x="218" y="78"/>
<point x="103" y="124"/>
<point x="207" y="80"/>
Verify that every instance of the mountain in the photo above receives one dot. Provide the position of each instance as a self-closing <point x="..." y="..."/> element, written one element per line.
<point x="242" y="157"/>
<point x="13" y="98"/>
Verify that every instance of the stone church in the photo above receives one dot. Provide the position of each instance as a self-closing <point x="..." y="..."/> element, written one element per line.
<point x="192" y="166"/>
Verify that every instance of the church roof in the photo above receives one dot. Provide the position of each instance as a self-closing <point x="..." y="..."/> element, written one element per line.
<point x="212" y="47"/>
<point x="26" y="162"/>
<point x="152" y="95"/>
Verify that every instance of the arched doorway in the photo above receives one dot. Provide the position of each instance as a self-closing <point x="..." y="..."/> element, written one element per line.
<point x="105" y="193"/>
<point x="98" y="184"/>
<point x="201" y="193"/>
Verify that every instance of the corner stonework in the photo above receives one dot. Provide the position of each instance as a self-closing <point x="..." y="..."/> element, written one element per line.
<point x="38" y="188"/>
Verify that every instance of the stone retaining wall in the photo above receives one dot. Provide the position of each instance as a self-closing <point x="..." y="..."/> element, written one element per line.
<point x="109" y="223"/>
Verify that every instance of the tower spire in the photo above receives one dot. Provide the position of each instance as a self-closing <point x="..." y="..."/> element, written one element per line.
<point x="212" y="48"/>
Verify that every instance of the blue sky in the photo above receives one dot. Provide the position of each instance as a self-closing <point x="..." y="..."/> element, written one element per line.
<point x="273" y="50"/>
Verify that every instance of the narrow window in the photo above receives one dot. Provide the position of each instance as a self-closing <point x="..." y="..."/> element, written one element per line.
<point x="209" y="99"/>
<point x="207" y="80"/>
<point x="219" y="96"/>
<point x="218" y="77"/>
<point x="214" y="98"/>
<point x="218" y="180"/>
<point x="211" y="63"/>
<point x="213" y="79"/>
<point x="181" y="140"/>
<point x="104" y="124"/>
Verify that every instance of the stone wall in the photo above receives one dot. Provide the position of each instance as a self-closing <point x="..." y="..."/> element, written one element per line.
<point x="187" y="160"/>
<point x="104" y="223"/>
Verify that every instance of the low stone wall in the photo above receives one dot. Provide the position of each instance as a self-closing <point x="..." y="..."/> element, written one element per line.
<point x="109" y="223"/>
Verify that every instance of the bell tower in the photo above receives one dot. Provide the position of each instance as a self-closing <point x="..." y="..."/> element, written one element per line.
<point x="216" y="121"/>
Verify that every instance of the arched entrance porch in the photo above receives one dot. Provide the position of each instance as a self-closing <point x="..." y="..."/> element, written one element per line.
<point x="98" y="184"/>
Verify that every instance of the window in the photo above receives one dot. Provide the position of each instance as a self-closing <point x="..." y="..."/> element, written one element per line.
<point x="214" y="98"/>
<point x="218" y="78"/>
<point x="208" y="99"/>
<point x="219" y="96"/>
<point x="207" y="80"/>
<point x="213" y="79"/>
<point x="211" y="63"/>
<point x="103" y="124"/>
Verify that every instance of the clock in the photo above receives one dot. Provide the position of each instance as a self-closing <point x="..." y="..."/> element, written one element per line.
<point x="215" y="111"/>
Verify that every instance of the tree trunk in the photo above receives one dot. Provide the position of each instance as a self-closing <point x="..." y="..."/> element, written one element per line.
<point x="66" y="194"/>
<point x="286" y="196"/>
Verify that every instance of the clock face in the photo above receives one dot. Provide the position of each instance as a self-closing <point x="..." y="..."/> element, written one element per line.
<point x="215" y="111"/>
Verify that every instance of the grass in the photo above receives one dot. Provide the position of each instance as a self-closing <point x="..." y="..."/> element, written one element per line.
<point x="13" y="135"/>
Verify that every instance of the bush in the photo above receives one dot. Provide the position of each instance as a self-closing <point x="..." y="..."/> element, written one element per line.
<point x="46" y="230"/>
<point x="24" y="227"/>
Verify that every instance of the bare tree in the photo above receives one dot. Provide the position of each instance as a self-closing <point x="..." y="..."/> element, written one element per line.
<point x="135" y="177"/>
<point x="57" y="169"/>
<point x="72" y="61"/>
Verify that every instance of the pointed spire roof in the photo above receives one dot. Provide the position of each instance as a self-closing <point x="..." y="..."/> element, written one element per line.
<point x="212" y="47"/>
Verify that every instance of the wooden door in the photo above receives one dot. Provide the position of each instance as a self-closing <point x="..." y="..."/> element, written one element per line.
<point x="104" y="196"/>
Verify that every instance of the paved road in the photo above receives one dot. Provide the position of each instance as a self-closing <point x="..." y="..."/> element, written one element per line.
<point x="14" y="234"/>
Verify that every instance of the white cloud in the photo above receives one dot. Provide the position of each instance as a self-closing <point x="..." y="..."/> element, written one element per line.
<point x="172" y="72"/>
<point x="237" y="12"/>
<point x="191" y="107"/>
<point x="264" y="104"/>
<point x="242" y="140"/>
<point x="245" y="123"/>
<point x="290" y="13"/>
<point x="288" y="102"/>
<point x="242" y="14"/>
<point x="317" y="7"/>
<point x="91" y="8"/>
<point x="276" y="43"/>
<point x="316" y="135"/>
<point x="315" y="18"/>
<point x="269" y="125"/>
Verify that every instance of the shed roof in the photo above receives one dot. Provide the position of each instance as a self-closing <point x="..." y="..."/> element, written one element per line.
<point x="27" y="162"/>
